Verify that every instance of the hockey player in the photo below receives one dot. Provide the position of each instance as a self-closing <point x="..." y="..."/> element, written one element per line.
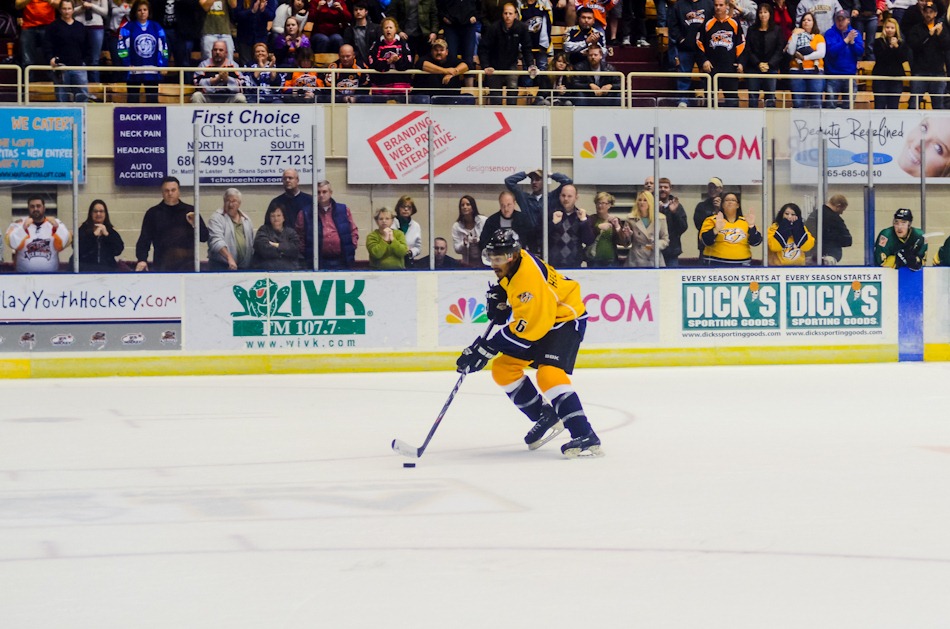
<point x="546" y="327"/>
<point x="901" y="245"/>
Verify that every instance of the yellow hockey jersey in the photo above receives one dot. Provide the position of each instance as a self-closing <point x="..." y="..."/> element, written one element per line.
<point x="733" y="245"/>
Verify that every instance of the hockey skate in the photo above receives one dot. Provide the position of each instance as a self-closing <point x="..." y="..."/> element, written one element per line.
<point x="586" y="446"/>
<point x="546" y="428"/>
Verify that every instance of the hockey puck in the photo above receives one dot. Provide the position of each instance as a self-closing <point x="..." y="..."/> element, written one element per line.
<point x="408" y="464"/>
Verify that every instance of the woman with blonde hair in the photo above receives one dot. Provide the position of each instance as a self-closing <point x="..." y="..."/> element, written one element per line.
<point x="386" y="246"/>
<point x="890" y="53"/>
<point x="638" y="231"/>
<point x="604" y="252"/>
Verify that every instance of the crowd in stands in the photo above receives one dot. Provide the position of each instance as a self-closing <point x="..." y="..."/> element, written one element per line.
<point x="726" y="235"/>
<point x="270" y="50"/>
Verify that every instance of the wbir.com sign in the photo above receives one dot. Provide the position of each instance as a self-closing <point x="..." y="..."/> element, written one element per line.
<point x="731" y="305"/>
<point x="833" y="305"/>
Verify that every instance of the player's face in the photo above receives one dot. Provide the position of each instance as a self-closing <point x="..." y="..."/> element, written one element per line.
<point x="790" y="215"/>
<point x="935" y="133"/>
<point x="171" y="193"/>
<point x="500" y="264"/>
<point x="37" y="210"/>
<point x="901" y="228"/>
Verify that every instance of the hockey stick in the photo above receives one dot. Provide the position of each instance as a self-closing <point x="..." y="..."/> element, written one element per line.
<point x="403" y="448"/>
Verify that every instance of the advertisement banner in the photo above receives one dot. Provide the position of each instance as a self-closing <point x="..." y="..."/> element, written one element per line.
<point x="616" y="147"/>
<point x="895" y="155"/>
<point x="472" y="145"/>
<point x="90" y="312"/>
<point x="238" y="145"/>
<point x="622" y="307"/>
<point x="36" y="144"/>
<point x="301" y="312"/>
<point x="758" y="307"/>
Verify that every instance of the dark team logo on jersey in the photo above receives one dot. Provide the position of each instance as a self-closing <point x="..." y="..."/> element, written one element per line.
<point x="525" y="297"/>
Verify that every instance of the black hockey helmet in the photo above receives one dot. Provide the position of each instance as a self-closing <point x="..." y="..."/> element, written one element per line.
<point x="904" y="214"/>
<point x="502" y="242"/>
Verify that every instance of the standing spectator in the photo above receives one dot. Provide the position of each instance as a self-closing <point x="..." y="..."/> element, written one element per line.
<point x="864" y="17"/>
<point x="181" y="21"/>
<point x="419" y="20"/>
<point x="297" y="9"/>
<point x="121" y="13"/>
<point x="823" y="11"/>
<point x="142" y="43"/>
<point x="806" y="46"/>
<point x="638" y="233"/>
<point x="844" y="47"/>
<point x="67" y="43"/>
<point x="221" y="86"/>
<point x="442" y="75"/>
<point x="788" y="238"/>
<point x="440" y="248"/>
<point x="890" y="54"/>
<point x="507" y="217"/>
<point x="532" y="204"/>
<point x="467" y="232"/>
<point x="596" y="88"/>
<point x="634" y="23"/>
<point x="287" y="45"/>
<point x="276" y="245"/>
<point x="169" y="227"/>
<point x="648" y="184"/>
<point x="386" y="246"/>
<point x="251" y="18"/>
<point x="330" y="18"/>
<point x="929" y="43"/>
<point x="505" y="44"/>
<point x="37" y="239"/>
<point x="766" y="51"/>
<point x="784" y="18"/>
<point x="92" y="14"/>
<point x="601" y="9"/>
<point x="834" y="233"/>
<point x="99" y="242"/>
<point x="583" y="36"/>
<point x="676" y="222"/>
<point x="262" y="81"/>
<point x="901" y="245"/>
<point x="230" y="235"/>
<point x="36" y="16"/>
<point x="217" y="26"/>
<point x="569" y="231"/>
<point x="729" y="236"/>
<point x="604" y="251"/>
<point x="293" y="200"/>
<point x="348" y="85"/>
<point x="709" y="206"/>
<point x="405" y="210"/>
<point x="914" y="15"/>
<point x="687" y="22"/>
<point x="720" y="47"/>
<point x="536" y="15"/>
<point x="337" y="231"/>
<point x="390" y="53"/>
<point x="362" y="33"/>
<point x="458" y="19"/>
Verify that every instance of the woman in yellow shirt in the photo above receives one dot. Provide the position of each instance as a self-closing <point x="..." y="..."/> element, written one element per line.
<point x="788" y="238"/>
<point x="729" y="236"/>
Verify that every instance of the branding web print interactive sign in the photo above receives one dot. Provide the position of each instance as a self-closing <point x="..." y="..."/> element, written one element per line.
<point x="480" y="145"/>
<point x="617" y="146"/>
<point x="895" y="155"/>
<point x="36" y="144"/>
<point x="237" y="146"/>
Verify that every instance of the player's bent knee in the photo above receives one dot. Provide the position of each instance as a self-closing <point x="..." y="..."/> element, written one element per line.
<point x="550" y="376"/>
<point x="506" y="370"/>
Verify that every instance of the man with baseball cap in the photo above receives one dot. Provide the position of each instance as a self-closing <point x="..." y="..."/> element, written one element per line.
<point x="709" y="206"/>
<point x="443" y="75"/>
<point x="929" y="42"/>
<point x="901" y="245"/>
<point x="844" y="47"/>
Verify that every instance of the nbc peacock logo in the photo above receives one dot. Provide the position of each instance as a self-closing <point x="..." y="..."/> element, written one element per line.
<point x="599" y="147"/>
<point x="467" y="311"/>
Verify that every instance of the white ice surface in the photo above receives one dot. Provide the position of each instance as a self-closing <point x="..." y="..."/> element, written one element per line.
<point x="765" y="497"/>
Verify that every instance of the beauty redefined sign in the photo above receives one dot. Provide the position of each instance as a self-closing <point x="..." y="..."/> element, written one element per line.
<point x="236" y="145"/>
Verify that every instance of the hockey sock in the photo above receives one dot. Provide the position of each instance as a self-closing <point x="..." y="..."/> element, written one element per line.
<point x="525" y="396"/>
<point x="568" y="408"/>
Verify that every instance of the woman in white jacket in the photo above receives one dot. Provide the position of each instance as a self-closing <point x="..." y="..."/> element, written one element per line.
<point x="467" y="231"/>
<point x="637" y="232"/>
<point x="230" y="235"/>
<point x="405" y="209"/>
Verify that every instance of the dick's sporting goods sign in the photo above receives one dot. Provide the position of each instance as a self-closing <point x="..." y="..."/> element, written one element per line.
<point x="731" y="304"/>
<point x="833" y="305"/>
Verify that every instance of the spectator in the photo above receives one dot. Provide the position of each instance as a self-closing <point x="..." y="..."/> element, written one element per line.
<point x="293" y="200"/>
<point x="583" y="36"/>
<point x="914" y="15"/>
<point x="864" y="17"/>
<point x="386" y="246"/>
<point x="942" y="257"/>
<point x="553" y="89"/>
<point x="709" y="206"/>
<point x="142" y="43"/>
<point x="596" y="88"/>
<point x="287" y="45"/>
<point x="744" y="12"/>
<point x="330" y="18"/>
<point x="934" y="131"/>
<point x="784" y="18"/>
<point x="348" y="84"/>
<point x="251" y="18"/>
<point x="262" y="82"/>
<point x="362" y="34"/>
<point x="304" y="84"/>
<point x="890" y="54"/>
<point x="834" y="233"/>
<point x="121" y="13"/>
<point x="68" y="43"/>
<point x="807" y="49"/>
<point x="37" y="239"/>
<point x="390" y="53"/>
<point x="420" y="22"/>
<point x="844" y="47"/>
<point x="569" y="231"/>
<point x="221" y="86"/>
<point x="634" y="23"/>
<point x="766" y="52"/>
<point x="169" y="227"/>
<point x="687" y="22"/>
<point x="676" y="223"/>
<point x="458" y="19"/>
<point x="648" y="184"/>
<point x="467" y="232"/>
<point x="99" y="242"/>
<point x="230" y="235"/>
<point x="823" y="11"/>
<point x="720" y="47"/>
<point x="217" y="26"/>
<point x="897" y="8"/>
<point x="405" y="210"/>
<point x="536" y="15"/>
<point x="337" y="231"/>
<point x="604" y="252"/>
<point x="729" y="236"/>
<point x="532" y="204"/>
<point x="440" y="247"/>
<point x="443" y="75"/>
<point x="297" y="9"/>
<point x="788" y="238"/>
<point x="181" y="21"/>
<point x="276" y="245"/>
<point x="638" y="233"/>
<point x="901" y="245"/>
<point x="506" y="44"/>
<point x="929" y="43"/>
<point x="92" y="14"/>
<point x="36" y="17"/>
<point x="507" y="217"/>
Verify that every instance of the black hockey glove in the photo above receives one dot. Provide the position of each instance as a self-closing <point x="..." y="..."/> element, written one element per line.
<point x="784" y="228"/>
<point x="798" y="231"/>
<point x="907" y="256"/>
<point x="496" y="300"/>
<point x="475" y="357"/>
